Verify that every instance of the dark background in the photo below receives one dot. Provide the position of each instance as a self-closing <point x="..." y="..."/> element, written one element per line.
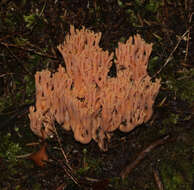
<point x="29" y="34"/>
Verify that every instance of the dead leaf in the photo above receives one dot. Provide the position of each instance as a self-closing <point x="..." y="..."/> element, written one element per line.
<point x="40" y="156"/>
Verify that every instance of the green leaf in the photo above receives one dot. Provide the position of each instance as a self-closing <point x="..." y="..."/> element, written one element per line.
<point x="30" y="20"/>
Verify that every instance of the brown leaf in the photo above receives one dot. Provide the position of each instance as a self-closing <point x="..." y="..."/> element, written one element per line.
<point x="40" y="156"/>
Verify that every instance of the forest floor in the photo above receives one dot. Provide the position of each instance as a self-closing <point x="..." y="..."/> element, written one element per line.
<point x="160" y="152"/>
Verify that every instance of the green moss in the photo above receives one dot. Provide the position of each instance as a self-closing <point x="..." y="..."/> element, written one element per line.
<point x="90" y="165"/>
<point x="176" y="176"/>
<point x="9" y="149"/>
<point x="182" y="84"/>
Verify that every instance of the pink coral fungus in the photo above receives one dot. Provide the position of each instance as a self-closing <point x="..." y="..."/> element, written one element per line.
<point x="84" y="99"/>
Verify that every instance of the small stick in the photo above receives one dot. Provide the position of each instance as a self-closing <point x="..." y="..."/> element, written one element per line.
<point x="73" y="178"/>
<point x="60" y="165"/>
<point x="61" y="147"/>
<point x="17" y="59"/>
<point x="171" y="54"/>
<point x="188" y="37"/>
<point x="158" y="180"/>
<point x="142" y="155"/>
<point x="66" y="167"/>
<point x="28" y="50"/>
<point x="24" y="155"/>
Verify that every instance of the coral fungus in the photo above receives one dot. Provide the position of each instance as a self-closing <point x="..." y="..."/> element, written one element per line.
<point x="82" y="97"/>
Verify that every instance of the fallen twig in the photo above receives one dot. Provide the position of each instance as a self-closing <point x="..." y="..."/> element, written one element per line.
<point x="171" y="54"/>
<point x="70" y="175"/>
<point x="188" y="37"/>
<point x="61" y="147"/>
<point x="17" y="59"/>
<point x="61" y="165"/>
<point x="23" y="155"/>
<point x="158" y="180"/>
<point x="66" y="167"/>
<point x="28" y="50"/>
<point x="142" y="155"/>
